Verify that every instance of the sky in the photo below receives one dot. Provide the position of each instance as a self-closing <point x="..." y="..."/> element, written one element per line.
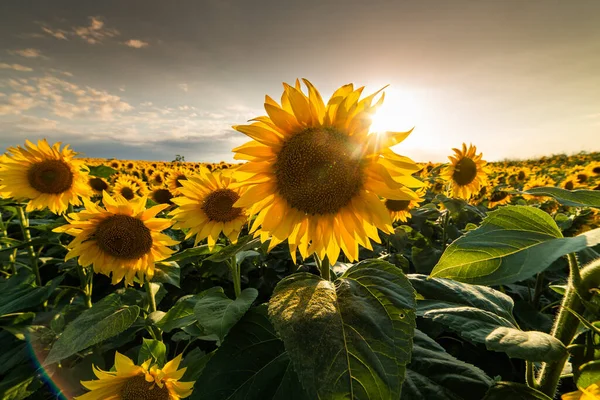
<point x="150" y="79"/>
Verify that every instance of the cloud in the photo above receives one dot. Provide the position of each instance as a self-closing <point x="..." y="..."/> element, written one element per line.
<point x="58" y="33"/>
<point x="16" y="103"/>
<point x="28" y="53"/>
<point x="135" y="43"/>
<point x="183" y="86"/>
<point x="94" y="33"/>
<point x="16" y="67"/>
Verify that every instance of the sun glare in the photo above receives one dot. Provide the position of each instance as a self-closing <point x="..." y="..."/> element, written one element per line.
<point x="399" y="112"/>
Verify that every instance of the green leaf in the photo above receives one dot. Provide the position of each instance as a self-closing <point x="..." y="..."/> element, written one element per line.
<point x="152" y="349"/>
<point x="512" y="244"/>
<point x="588" y="374"/>
<point x="350" y="338"/>
<point x="19" y="292"/>
<point x="573" y="198"/>
<point x="435" y="374"/>
<point x="243" y="243"/>
<point x="167" y="272"/>
<point x="107" y="318"/>
<point x="531" y="346"/>
<point x="102" y="171"/>
<point x="251" y="364"/>
<point x="217" y="313"/>
<point x="19" y="384"/>
<point x="191" y="252"/>
<point x="514" y="391"/>
<point x="195" y="361"/>
<point x="180" y="315"/>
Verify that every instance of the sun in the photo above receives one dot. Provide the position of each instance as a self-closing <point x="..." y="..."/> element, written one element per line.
<point x="399" y="112"/>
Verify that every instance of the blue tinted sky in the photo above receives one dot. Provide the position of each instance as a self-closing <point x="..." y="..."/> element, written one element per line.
<point x="150" y="79"/>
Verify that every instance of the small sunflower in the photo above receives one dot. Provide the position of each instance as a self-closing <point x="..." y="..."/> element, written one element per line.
<point x="206" y="207"/>
<point x="161" y="195"/>
<point x="126" y="188"/>
<point x="98" y="185"/>
<point x="591" y="392"/>
<point x="136" y="382"/>
<point x="400" y="209"/>
<point x="157" y="179"/>
<point x="176" y="176"/>
<point x="498" y="197"/>
<point x="123" y="238"/>
<point x="466" y="173"/>
<point x="315" y="173"/>
<point x="46" y="176"/>
<point x="535" y="182"/>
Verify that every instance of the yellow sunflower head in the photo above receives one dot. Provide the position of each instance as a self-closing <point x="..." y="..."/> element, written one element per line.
<point x="591" y="392"/>
<point x="174" y="181"/>
<point x="98" y="185"/>
<point x="126" y="188"/>
<point x="161" y="195"/>
<point x="136" y="382"/>
<point x="157" y="179"/>
<point x="122" y="238"/>
<point x="498" y="197"/>
<point x="315" y="173"/>
<point x="400" y="209"/>
<point x="206" y="207"/>
<point x="46" y="176"/>
<point x="466" y="173"/>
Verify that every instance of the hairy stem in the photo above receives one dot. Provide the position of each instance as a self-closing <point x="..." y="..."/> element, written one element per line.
<point x="236" y="276"/>
<point x="24" y="222"/>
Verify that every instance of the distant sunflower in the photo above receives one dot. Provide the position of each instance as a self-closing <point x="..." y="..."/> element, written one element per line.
<point x="156" y="179"/>
<point x="125" y="187"/>
<point x="174" y="181"/>
<point x="400" y="209"/>
<point x="206" y="207"/>
<point x="498" y="197"/>
<point x="123" y="238"/>
<point x="98" y="185"/>
<point x="46" y="176"/>
<point x="161" y="195"/>
<point x="315" y="173"/>
<point x="138" y="382"/>
<point x="466" y="173"/>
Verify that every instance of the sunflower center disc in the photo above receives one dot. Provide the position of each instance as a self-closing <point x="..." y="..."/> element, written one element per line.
<point x="465" y="171"/>
<point x="596" y="170"/>
<point x="180" y="178"/>
<point x="50" y="176"/>
<point x="124" y="237"/>
<point x="127" y="193"/>
<point x="397" y="205"/>
<point x="498" y="196"/>
<point x="98" y="184"/>
<point x="218" y="205"/>
<point x="317" y="171"/>
<point x="136" y="388"/>
<point x="162" y="196"/>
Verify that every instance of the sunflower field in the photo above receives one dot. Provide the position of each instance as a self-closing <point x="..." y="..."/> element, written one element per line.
<point x="321" y="265"/>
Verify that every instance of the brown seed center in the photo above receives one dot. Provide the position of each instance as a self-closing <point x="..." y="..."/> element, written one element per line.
<point x="50" y="176"/>
<point x="218" y="205"/>
<point x="124" y="237"/>
<point x="397" y="205"/>
<point x="464" y="172"/>
<point x="498" y="196"/>
<point x="162" y="196"/>
<point x="136" y="388"/>
<point x="127" y="193"/>
<point x="318" y="171"/>
<point x="178" y="179"/>
<point x="98" y="184"/>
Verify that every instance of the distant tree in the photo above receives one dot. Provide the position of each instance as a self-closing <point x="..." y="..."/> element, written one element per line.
<point x="179" y="158"/>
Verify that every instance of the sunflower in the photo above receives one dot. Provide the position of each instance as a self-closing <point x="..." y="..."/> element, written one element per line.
<point x="206" y="207"/>
<point x="498" y="197"/>
<point x="400" y="209"/>
<point x="591" y="392"/>
<point x="161" y="195"/>
<point x="126" y="188"/>
<point x="98" y="185"/>
<point x="176" y="176"/>
<point x="135" y="382"/>
<point x="315" y="174"/>
<point x="535" y="182"/>
<point x="46" y="176"/>
<point x="466" y="173"/>
<point x="156" y="179"/>
<point x="123" y="238"/>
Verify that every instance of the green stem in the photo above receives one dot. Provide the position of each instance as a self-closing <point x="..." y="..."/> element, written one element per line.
<point x="446" y="219"/>
<point x="539" y="288"/>
<point x="530" y="374"/>
<point x="323" y="267"/>
<point x="84" y="281"/>
<point x="566" y="324"/>
<point x="236" y="276"/>
<point x="27" y="238"/>
<point x="155" y="330"/>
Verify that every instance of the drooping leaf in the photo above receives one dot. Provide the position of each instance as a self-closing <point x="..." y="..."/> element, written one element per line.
<point x="514" y="391"/>
<point x="435" y="374"/>
<point x="573" y="198"/>
<point x="192" y="252"/>
<point x="251" y="364"/>
<point x="180" y="315"/>
<point x="107" y="318"/>
<point x="588" y="374"/>
<point x="531" y="346"/>
<point x="152" y="349"/>
<point x="350" y="338"/>
<point x="102" y="171"/>
<point x="513" y="243"/>
<point x="167" y="272"/>
<point x="217" y="313"/>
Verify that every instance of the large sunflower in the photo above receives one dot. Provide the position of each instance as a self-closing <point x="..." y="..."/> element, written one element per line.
<point x="136" y="382"/>
<point x="315" y="173"/>
<point x="46" y="176"/>
<point x="466" y="173"/>
<point x="123" y="238"/>
<point x="206" y="207"/>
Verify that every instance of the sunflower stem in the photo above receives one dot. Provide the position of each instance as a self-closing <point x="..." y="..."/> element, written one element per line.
<point x="323" y="267"/>
<point x="85" y="287"/>
<point x="445" y="221"/>
<point x="236" y="276"/>
<point x="530" y="375"/>
<point x="154" y="330"/>
<point x="27" y="238"/>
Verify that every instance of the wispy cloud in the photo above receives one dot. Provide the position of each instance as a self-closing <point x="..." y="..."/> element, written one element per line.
<point x="15" y="67"/>
<point x="57" y="33"/>
<point x="136" y="44"/>
<point x="94" y="33"/>
<point x="28" y="53"/>
<point x="184" y="87"/>
<point x="16" y="103"/>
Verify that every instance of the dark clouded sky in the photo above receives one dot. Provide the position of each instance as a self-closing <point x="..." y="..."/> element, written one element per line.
<point x="150" y="79"/>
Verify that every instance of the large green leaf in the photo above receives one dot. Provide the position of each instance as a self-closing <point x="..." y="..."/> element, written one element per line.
<point x="574" y="198"/>
<point x="532" y="345"/>
<point x="107" y="318"/>
<point x="514" y="391"/>
<point x="102" y="171"/>
<point x="217" y="313"/>
<point x="512" y="244"/>
<point x="435" y="374"/>
<point x="152" y="349"/>
<point x="472" y="311"/>
<point x="180" y="315"/>
<point x="351" y="338"/>
<point x="19" y="292"/>
<point x="251" y="364"/>
<point x="243" y="243"/>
